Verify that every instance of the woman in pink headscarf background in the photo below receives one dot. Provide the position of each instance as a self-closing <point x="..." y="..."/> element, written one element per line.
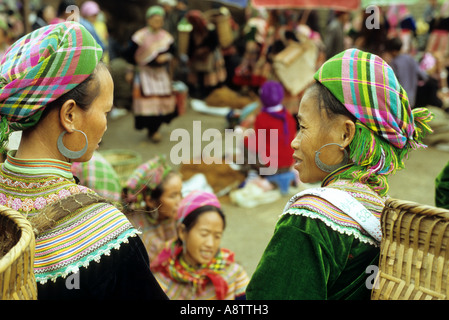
<point x="194" y="266"/>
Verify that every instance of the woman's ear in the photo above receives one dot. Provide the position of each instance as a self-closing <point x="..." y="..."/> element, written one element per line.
<point x="348" y="132"/>
<point x="182" y="232"/>
<point x="67" y="115"/>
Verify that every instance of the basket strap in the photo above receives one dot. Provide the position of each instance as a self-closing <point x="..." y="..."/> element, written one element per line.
<point x="347" y="204"/>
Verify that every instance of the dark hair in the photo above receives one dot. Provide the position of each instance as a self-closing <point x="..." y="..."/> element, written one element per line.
<point x="329" y="103"/>
<point x="63" y="6"/>
<point x="83" y="94"/>
<point x="193" y="216"/>
<point x="393" y="44"/>
<point x="277" y="47"/>
<point x="157" y="192"/>
<point x="290" y="35"/>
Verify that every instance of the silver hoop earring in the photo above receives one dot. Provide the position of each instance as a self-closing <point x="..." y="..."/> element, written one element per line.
<point x="67" y="152"/>
<point x="330" y="168"/>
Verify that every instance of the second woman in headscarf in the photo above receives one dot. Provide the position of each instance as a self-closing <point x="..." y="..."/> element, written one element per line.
<point x="153" y="193"/>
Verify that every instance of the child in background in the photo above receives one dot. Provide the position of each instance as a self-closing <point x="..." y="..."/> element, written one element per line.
<point x="273" y="116"/>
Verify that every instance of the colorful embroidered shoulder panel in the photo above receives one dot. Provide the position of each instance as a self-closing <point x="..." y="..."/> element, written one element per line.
<point x="79" y="239"/>
<point x="76" y="240"/>
<point x="318" y="208"/>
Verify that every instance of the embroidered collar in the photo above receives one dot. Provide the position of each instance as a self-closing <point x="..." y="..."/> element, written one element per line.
<point x="316" y="207"/>
<point x="333" y="176"/>
<point x="174" y="266"/>
<point x="38" y="166"/>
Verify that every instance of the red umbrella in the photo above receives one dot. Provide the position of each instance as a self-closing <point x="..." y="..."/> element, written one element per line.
<point x="343" y="5"/>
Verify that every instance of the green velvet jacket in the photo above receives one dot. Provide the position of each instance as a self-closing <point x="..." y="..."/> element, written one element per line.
<point x="442" y="188"/>
<point x="317" y="254"/>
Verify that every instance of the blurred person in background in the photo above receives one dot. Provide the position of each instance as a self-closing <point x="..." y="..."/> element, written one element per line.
<point x="89" y="13"/>
<point x="45" y="16"/>
<point x="66" y="11"/>
<point x="334" y="37"/>
<point x="207" y="69"/>
<point x="152" y="195"/>
<point x="405" y="67"/>
<point x="152" y="50"/>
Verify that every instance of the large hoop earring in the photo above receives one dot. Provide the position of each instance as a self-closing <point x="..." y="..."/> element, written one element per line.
<point x="67" y="152"/>
<point x="330" y="168"/>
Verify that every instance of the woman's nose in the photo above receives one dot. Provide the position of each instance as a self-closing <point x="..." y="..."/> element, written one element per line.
<point x="209" y="241"/>
<point x="294" y="143"/>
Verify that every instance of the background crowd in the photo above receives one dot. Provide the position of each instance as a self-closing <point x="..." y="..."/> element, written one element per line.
<point x="210" y="49"/>
<point x="179" y="51"/>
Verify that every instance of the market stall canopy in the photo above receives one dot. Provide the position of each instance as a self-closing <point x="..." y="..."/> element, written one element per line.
<point x="366" y="3"/>
<point x="235" y="3"/>
<point x="344" y="5"/>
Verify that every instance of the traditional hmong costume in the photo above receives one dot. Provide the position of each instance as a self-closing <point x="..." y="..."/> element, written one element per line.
<point x="322" y="247"/>
<point x="153" y="99"/>
<point x="207" y="69"/>
<point x="85" y="247"/>
<point x="95" y="240"/>
<point x="154" y="233"/>
<point x="220" y="279"/>
<point x="438" y="40"/>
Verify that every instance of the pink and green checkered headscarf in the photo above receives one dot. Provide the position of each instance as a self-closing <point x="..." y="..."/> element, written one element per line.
<point x="145" y="178"/>
<point x="386" y="127"/>
<point x="42" y="66"/>
<point x="367" y="86"/>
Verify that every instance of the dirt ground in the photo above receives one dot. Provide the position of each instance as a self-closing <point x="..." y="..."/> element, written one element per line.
<point x="249" y="230"/>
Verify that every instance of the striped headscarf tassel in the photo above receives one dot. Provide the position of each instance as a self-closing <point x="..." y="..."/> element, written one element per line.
<point x="374" y="159"/>
<point x="421" y="117"/>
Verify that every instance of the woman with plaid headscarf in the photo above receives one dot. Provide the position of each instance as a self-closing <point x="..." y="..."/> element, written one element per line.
<point x="152" y="195"/>
<point x="356" y="128"/>
<point x="55" y="90"/>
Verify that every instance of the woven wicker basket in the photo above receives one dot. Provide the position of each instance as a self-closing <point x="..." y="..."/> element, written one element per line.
<point x="17" y="243"/>
<point x="123" y="161"/>
<point x="414" y="257"/>
<point x="223" y="24"/>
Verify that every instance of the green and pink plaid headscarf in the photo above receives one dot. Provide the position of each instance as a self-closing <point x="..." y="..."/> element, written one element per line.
<point x="387" y="127"/>
<point x="145" y="178"/>
<point x="42" y="66"/>
<point x="369" y="89"/>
